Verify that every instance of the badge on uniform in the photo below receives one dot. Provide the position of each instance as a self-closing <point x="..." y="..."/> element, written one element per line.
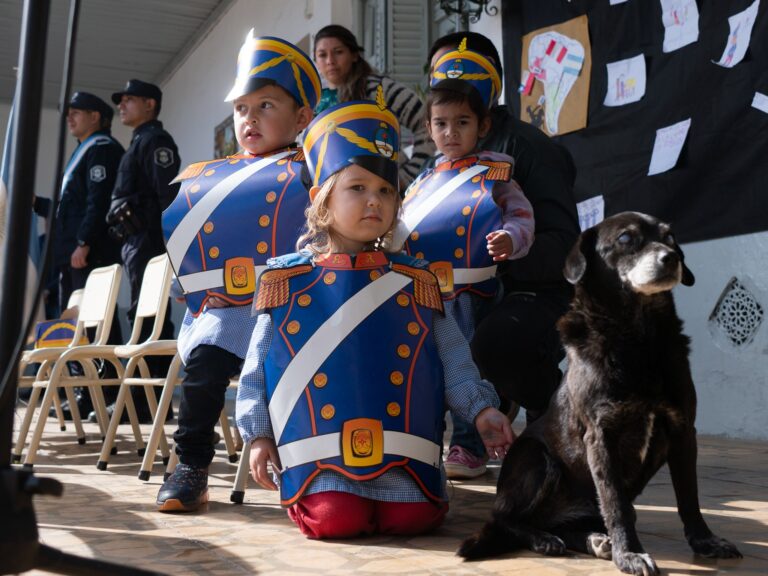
<point x="164" y="157"/>
<point x="98" y="173"/>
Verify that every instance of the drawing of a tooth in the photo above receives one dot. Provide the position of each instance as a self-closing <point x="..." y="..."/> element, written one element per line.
<point x="556" y="61"/>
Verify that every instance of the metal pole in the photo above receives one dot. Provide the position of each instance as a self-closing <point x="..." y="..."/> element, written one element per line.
<point x="21" y="191"/>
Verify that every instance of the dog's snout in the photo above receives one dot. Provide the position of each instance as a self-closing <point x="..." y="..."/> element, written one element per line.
<point x="669" y="258"/>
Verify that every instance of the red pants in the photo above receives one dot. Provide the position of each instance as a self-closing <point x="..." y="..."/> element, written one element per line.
<point x="342" y="515"/>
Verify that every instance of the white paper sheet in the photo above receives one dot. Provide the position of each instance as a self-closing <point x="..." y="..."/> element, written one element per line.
<point x="739" y="36"/>
<point x="591" y="212"/>
<point x="666" y="149"/>
<point x="760" y="101"/>
<point x="626" y="81"/>
<point x="681" y="23"/>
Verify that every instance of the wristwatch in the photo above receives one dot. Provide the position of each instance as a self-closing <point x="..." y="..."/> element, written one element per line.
<point x="81" y="243"/>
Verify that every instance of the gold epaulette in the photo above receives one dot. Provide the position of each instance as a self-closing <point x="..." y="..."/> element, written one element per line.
<point x="299" y="156"/>
<point x="273" y="286"/>
<point x="426" y="291"/>
<point x="497" y="170"/>
<point x="192" y="171"/>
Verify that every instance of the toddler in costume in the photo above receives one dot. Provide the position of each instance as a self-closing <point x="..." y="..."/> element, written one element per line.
<point x="230" y="216"/>
<point x="466" y="213"/>
<point x="352" y="360"/>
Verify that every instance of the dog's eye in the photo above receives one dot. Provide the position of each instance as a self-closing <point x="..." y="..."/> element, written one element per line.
<point x="669" y="239"/>
<point x="625" y="238"/>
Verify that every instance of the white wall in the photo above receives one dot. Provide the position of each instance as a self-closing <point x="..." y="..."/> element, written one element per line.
<point x="732" y="383"/>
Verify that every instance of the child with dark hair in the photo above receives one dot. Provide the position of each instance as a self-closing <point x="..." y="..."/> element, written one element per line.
<point x="467" y="213"/>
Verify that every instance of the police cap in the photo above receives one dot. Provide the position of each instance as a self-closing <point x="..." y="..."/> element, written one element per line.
<point x="88" y="101"/>
<point x="139" y="88"/>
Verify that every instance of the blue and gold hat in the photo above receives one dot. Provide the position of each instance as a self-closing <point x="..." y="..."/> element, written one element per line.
<point x="457" y="68"/>
<point x="266" y="60"/>
<point x="361" y="132"/>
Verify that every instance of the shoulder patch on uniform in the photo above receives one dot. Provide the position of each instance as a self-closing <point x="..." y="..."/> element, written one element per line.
<point x="98" y="173"/>
<point x="497" y="170"/>
<point x="426" y="290"/>
<point x="273" y="286"/>
<point x="192" y="171"/>
<point x="163" y="157"/>
<point x="299" y="156"/>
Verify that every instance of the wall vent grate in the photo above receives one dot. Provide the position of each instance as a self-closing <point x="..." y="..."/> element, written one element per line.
<point x="738" y="314"/>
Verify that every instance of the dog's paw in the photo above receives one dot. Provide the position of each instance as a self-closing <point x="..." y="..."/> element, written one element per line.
<point x="600" y="545"/>
<point x="640" y="564"/>
<point x="548" y="544"/>
<point x="714" y="547"/>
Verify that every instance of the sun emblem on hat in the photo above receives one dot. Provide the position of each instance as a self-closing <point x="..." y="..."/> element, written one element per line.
<point x="456" y="70"/>
<point x="383" y="140"/>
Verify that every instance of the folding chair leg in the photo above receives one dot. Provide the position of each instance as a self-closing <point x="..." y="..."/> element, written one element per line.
<point x="40" y="426"/>
<point x="74" y="410"/>
<point x="241" y="478"/>
<point x="109" y="438"/>
<point x="238" y="439"/>
<point x="227" y="434"/>
<point x="24" y="431"/>
<point x="158" y="424"/>
<point x="172" y="462"/>
<point x="59" y="413"/>
<point x="134" y="420"/>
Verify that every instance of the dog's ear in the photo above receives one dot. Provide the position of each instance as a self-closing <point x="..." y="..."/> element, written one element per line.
<point x="576" y="262"/>
<point x="687" y="279"/>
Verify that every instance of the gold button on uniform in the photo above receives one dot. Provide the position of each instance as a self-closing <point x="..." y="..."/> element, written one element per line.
<point x="210" y="172"/>
<point x="264" y="221"/>
<point x="414" y="235"/>
<point x="327" y="411"/>
<point x="476" y="193"/>
<point x="271" y="197"/>
<point x="293" y="327"/>
<point x="403" y="350"/>
<point x="282" y="177"/>
<point x="458" y="252"/>
<point x="281" y="162"/>
<point x="460" y="231"/>
<point x="413" y="328"/>
<point x="329" y="278"/>
<point x="305" y="300"/>
<point x="262" y="247"/>
<point x="419" y="255"/>
<point x="393" y="409"/>
<point x="213" y="252"/>
<point x="234" y="161"/>
<point x="396" y="378"/>
<point x="320" y="380"/>
<point x="476" y="179"/>
<point x="375" y="274"/>
<point x="194" y="188"/>
<point x="208" y="227"/>
<point x="466" y="210"/>
<point x="403" y="300"/>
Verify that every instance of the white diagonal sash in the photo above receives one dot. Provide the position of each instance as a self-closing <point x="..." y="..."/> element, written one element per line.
<point x="412" y="218"/>
<point x="190" y="225"/>
<point x="325" y="446"/>
<point x="209" y="279"/>
<point x="324" y="341"/>
<point x="78" y="155"/>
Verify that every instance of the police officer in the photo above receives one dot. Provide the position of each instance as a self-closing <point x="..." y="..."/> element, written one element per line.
<point x="143" y="188"/>
<point x="142" y="191"/>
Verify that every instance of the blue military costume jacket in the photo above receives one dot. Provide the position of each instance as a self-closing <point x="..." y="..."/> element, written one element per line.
<point x="230" y="216"/>
<point x="353" y="377"/>
<point x="447" y="214"/>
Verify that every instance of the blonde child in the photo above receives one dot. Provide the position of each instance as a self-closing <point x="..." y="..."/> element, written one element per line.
<point x="352" y="359"/>
<point x="467" y="213"/>
<point x="231" y="215"/>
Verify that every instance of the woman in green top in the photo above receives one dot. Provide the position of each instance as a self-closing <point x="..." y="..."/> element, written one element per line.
<point x="348" y="76"/>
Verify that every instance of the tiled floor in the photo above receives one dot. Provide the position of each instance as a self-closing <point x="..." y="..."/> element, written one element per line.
<point x="111" y="515"/>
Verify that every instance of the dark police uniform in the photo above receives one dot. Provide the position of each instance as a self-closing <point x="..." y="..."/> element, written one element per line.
<point x="85" y="196"/>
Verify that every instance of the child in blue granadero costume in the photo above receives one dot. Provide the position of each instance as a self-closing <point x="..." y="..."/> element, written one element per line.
<point x="230" y="216"/>
<point x="466" y="214"/>
<point x="352" y="360"/>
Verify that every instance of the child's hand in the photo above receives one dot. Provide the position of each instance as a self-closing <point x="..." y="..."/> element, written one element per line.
<point x="216" y="302"/>
<point x="496" y="432"/>
<point x="499" y="245"/>
<point x="264" y="450"/>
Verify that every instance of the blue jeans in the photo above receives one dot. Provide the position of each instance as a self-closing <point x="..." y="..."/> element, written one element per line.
<point x="465" y="435"/>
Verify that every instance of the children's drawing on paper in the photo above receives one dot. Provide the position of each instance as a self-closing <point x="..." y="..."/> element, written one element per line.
<point x="667" y="147"/>
<point x="739" y="36"/>
<point x="591" y="212"/>
<point x="626" y="81"/>
<point x="681" y="23"/>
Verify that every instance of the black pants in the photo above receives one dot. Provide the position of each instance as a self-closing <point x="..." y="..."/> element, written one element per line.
<point x="208" y="369"/>
<point x="517" y="347"/>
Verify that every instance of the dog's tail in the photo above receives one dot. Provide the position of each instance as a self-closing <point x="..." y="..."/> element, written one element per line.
<point x="495" y="538"/>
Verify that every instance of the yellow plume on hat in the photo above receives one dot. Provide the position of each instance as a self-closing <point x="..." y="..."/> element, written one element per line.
<point x="382" y="104"/>
<point x="462" y="44"/>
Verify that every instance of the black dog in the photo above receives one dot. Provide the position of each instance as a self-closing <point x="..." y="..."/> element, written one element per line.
<point x="627" y="405"/>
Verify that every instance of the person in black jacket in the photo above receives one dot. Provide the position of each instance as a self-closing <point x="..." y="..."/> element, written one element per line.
<point x="516" y="345"/>
<point x="142" y="191"/>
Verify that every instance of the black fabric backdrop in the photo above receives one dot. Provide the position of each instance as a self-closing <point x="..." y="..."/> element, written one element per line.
<point x="719" y="186"/>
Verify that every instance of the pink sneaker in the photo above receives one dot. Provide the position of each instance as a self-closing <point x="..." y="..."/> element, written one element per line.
<point x="461" y="463"/>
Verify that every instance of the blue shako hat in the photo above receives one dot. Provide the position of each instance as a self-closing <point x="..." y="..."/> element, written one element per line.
<point x="360" y="132"/>
<point x="265" y="60"/>
<point x="460" y="69"/>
